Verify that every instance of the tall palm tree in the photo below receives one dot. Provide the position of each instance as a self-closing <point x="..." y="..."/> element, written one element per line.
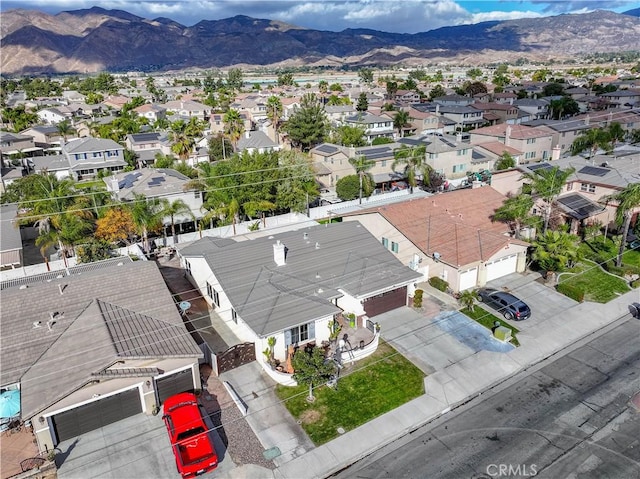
<point x="233" y="126"/>
<point x="547" y="185"/>
<point x="592" y="140"/>
<point x="515" y="211"/>
<point x="362" y="164"/>
<point x="172" y="209"/>
<point x="182" y="143"/>
<point x="628" y="201"/>
<point x="616" y="133"/>
<point x="414" y="161"/>
<point x="147" y="216"/>
<point x="274" y="113"/>
<point x="65" y="129"/>
<point x="401" y="120"/>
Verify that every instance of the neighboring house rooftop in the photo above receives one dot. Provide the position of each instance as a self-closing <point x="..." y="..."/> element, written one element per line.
<point x="321" y="261"/>
<point x="59" y="333"/>
<point x="255" y="140"/>
<point x="151" y="182"/>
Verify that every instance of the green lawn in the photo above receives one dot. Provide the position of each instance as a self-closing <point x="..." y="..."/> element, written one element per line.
<point x="597" y="285"/>
<point x="599" y="249"/>
<point x="369" y="388"/>
<point x="487" y="319"/>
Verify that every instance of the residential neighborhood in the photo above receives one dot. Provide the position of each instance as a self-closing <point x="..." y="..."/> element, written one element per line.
<point x="323" y="262"/>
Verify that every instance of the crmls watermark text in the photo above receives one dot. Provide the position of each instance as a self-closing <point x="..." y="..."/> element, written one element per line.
<point x="512" y="470"/>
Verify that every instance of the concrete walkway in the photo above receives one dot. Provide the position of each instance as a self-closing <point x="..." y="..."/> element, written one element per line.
<point x="456" y="383"/>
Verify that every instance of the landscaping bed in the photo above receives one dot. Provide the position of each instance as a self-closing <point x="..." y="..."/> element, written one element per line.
<point x="597" y="285"/>
<point x="487" y="320"/>
<point x="369" y="388"/>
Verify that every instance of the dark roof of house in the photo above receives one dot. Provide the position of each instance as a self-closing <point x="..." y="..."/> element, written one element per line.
<point x="9" y="231"/>
<point x="321" y="261"/>
<point x="59" y="332"/>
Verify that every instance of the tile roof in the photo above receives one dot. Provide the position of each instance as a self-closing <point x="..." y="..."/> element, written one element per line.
<point x="519" y="132"/>
<point x="455" y="224"/>
<point x="321" y="261"/>
<point x="100" y="315"/>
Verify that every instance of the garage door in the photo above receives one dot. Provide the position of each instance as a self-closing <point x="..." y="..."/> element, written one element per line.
<point x="502" y="267"/>
<point x="173" y="384"/>
<point x="385" y="302"/>
<point x="468" y="279"/>
<point x="88" y="417"/>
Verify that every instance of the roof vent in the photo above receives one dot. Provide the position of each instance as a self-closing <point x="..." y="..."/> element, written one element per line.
<point x="37" y="324"/>
<point x="436" y="256"/>
<point x="305" y="236"/>
<point x="317" y="245"/>
<point x="23" y="286"/>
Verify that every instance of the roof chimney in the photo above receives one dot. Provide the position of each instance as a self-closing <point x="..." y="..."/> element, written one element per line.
<point x="507" y="135"/>
<point x="279" y="253"/>
<point x="555" y="153"/>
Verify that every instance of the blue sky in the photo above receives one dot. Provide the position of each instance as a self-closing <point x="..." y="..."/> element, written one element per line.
<point x="404" y="16"/>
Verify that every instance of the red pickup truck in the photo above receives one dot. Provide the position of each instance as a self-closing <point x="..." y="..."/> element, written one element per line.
<point x="189" y="436"/>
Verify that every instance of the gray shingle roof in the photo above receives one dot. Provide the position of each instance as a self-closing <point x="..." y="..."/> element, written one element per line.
<point x="89" y="333"/>
<point x="9" y="232"/>
<point x="321" y="261"/>
<point x="91" y="144"/>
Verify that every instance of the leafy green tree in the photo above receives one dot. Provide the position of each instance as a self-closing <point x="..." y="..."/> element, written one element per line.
<point x="350" y="135"/>
<point x="555" y="250"/>
<point x="235" y="78"/>
<point x="365" y="75"/>
<point x="505" y="162"/>
<point x="182" y="143"/>
<point x="392" y="89"/>
<point x="382" y="140"/>
<point x="414" y="161"/>
<point x="468" y="299"/>
<point x="553" y="89"/>
<point x="285" y="79"/>
<point x="296" y="182"/>
<point x="474" y="73"/>
<point x="147" y="214"/>
<point x="616" y="133"/>
<point x="18" y="118"/>
<point x="363" y="103"/>
<point x="93" y="250"/>
<point x="65" y="129"/>
<point x="473" y="88"/>
<point x="312" y="368"/>
<point x="547" y="185"/>
<point x="516" y="212"/>
<point x="541" y="75"/>
<point x="219" y="147"/>
<point x="628" y="201"/>
<point x="308" y="125"/>
<point x="400" y="121"/>
<point x="437" y="91"/>
<point x="362" y="165"/>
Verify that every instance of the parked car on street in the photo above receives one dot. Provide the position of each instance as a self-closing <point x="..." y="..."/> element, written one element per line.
<point x="505" y="303"/>
<point x="192" y="445"/>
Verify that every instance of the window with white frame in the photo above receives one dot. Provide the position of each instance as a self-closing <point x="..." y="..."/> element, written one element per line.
<point x="385" y="242"/>
<point x="531" y="141"/>
<point x="588" y="187"/>
<point x="394" y="247"/>
<point x="234" y="315"/>
<point x="459" y="168"/>
<point x="300" y="334"/>
<point x="213" y="294"/>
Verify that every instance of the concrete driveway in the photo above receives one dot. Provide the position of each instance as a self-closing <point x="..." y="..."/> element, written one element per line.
<point x="137" y="447"/>
<point x="545" y="302"/>
<point x="433" y="342"/>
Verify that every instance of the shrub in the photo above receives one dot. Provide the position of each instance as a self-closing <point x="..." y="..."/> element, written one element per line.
<point x="635" y="284"/>
<point x="417" y="298"/>
<point x="573" y="292"/>
<point x="439" y="283"/>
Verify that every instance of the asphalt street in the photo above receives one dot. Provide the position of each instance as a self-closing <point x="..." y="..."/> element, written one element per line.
<point x="568" y="417"/>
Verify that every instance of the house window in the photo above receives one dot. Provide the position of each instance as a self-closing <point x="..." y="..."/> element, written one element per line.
<point x="588" y="187"/>
<point x="187" y="266"/>
<point x="196" y="194"/>
<point x="529" y="155"/>
<point x="569" y="186"/>
<point x="531" y="141"/>
<point x="299" y="334"/>
<point x="385" y="242"/>
<point x="213" y="294"/>
<point x="383" y="163"/>
<point x="234" y="315"/>
<point x="459" y="168"/>
<point x="394" y="247"/>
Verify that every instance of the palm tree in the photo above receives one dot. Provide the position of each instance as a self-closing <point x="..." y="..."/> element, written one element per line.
<point x="64" y="129"/>
<point x="547" y="184"/>
<point x="182" y="143"/>
<point x="592" y="140"/>
<point x="628" y="201"/>
<point x="414" y="161"/>
<point x="147" y="215"/>
<point x="233" y="126"/>
<point x="555" y="250"/>
<point x="468" y="299"/>
<point x="616" y="133"/>
<point x="401" y="120"/>
<point x="515" y="211"/>
<point x="362" y="164"/>
<point x="274" y="113"/>
<point x="172" y="209"/>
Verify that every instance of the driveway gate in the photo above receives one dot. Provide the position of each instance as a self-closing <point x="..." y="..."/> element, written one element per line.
<point x="236" y="356"/>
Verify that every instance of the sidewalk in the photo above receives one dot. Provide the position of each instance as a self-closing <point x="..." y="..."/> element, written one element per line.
<point x="454" y="385"/>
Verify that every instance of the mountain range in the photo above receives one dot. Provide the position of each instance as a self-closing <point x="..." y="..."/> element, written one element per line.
<point x="95" y="39"/>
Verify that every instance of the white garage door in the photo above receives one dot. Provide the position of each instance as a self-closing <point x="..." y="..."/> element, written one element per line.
<point x="468" y="278"/>
<point x="502" y="267"/>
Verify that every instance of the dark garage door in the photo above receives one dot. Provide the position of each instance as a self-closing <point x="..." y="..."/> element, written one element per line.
<point x="385" y="302"/>
<point x="176" y="383"/>
<point x="97" y="414"/>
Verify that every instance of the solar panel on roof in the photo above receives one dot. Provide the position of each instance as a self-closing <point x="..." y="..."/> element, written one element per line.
<point x="327" y="149"/>
<point x="580" y="206"/>
<point x="448" y="143"/>
<point x="129" y="180"/>
<point x="594" y="171"/>
<point x="378" y="156"/>
<point x="538" y="166"/>
<point x="156" y="180"/>
<point x="373" y="151"/>
<point x="145" y="136"/>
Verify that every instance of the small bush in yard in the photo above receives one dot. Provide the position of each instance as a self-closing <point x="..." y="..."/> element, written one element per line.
<point x="570" y="291"/>
<point x="439" y="283"/>
<point x="417" y="298"/>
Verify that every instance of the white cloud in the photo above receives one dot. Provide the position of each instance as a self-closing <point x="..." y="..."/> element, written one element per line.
<point x="497" y="15"/>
